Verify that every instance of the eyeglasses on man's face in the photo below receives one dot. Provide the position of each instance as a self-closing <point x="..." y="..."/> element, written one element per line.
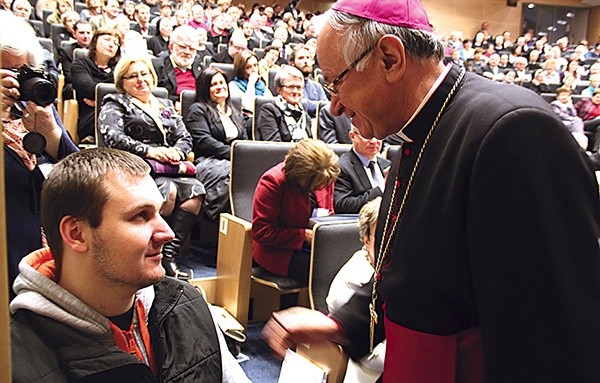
<point x="331" y="87"/>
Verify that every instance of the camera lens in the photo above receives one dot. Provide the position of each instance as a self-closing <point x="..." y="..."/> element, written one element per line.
<point x="40" y="91"/>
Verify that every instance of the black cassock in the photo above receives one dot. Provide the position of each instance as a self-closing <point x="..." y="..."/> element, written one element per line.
<point x="494" y="267"/>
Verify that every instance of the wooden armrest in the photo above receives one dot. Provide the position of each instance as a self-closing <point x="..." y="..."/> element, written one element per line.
<point x="234" y="266"/>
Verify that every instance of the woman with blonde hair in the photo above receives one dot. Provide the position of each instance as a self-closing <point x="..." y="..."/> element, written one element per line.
<point x="136" y="121"/>
<point x="62" y="7"/>
<point x="287" y="196"/>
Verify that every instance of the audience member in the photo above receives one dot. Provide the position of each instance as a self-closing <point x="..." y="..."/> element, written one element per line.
<point x="286" y="197"/>
<point x="564" y="109"/>
<point x="22" y="9"/>
<point x="522" y="74"/>
<point x="268" y="62"/>
<point x="182" y="17"/>
<point x="129" y="10"/>
<point x="159" y="44"/>
<point x="247" y="84"/>
<point x="198" y="19"/>
<point x="142" y="21"/>
<point x="214" y="124"/>
<point x="217" y="34"/>
<point x="362" y="174"/>
<point x="24" y="168"/>
<point x="285" y="119"/>
<point x="44" y="5"/>
<point x="446" y="270"/>
<point x="492" y="69"/>
<point x="551" y="73"/>
<point x="96" y="305"/>
<point x="136" y="121"/>
<point x="588" y="110"/>
<point x="90" y="70"/>
<point x="594" y="85"/>
<point x="355" y="274"/>
<point x="333" y="129"/>
<point x="62" y="6"/>
<point x="179" y="70"/>
<point x="313" y="91"/>
<point x="110" y="11"/>
<point x="83" y="36"/>
<point x="237" y="43"/>
<point x="93" y="8"/>
<point x="68" y="20"/>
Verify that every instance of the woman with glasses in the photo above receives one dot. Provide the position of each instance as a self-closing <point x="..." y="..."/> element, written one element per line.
<point x="136" y="121"/>
<point x="87" y="71"/>
<point x="285" y="119"/>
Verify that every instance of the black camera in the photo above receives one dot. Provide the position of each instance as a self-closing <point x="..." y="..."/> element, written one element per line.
<point x="36" y="85"/>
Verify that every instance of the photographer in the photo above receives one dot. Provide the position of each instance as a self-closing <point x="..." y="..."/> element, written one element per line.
<point x="24" y="170"/>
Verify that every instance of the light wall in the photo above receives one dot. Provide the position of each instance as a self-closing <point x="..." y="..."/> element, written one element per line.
<point x="467" y="15"/>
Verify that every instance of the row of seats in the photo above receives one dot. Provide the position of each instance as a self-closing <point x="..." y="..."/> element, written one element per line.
<point x="187" y="98"/>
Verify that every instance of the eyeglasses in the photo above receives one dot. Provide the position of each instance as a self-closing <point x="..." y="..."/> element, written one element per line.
<point x="135" y="76"/>
<point x="293" y="87"/>
<point x="330" y="88"/>
<point x="185" y="47"/>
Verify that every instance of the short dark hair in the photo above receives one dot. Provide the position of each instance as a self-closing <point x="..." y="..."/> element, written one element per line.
<point x="80" y="22"/>
<point x="76" y="187"/>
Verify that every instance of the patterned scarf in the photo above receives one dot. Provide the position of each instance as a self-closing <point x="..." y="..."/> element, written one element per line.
<point x="13" y="133"/>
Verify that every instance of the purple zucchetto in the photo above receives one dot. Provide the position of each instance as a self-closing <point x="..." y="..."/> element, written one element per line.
<point x="401" y="13"/>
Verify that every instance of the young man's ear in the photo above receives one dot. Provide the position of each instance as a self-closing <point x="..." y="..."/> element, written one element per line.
<point x="75" y="234"/>
<point x="393" y="56"/>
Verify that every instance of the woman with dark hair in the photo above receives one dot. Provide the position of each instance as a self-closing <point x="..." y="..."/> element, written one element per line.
<point x="214" y="124"/>
<point x="247" y="84"/>
<point x="86" y="72"/>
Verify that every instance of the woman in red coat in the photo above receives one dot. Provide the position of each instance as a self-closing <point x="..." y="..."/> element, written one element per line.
<point x="287" y="196"/>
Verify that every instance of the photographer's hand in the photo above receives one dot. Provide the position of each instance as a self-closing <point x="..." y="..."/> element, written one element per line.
<point x="10" y="89"/>
<point x="41" y="120"/>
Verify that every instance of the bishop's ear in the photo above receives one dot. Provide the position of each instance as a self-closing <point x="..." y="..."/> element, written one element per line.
<point x="393" y="57"/>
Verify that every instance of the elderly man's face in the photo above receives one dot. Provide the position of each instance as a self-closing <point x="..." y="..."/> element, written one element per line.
<point x="366" y="105"/>
<point x="184" y="51"/>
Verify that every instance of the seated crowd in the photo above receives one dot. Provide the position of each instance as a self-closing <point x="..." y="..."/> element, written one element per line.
<point x="237" y="60"/>
<point x="234" y="60"/>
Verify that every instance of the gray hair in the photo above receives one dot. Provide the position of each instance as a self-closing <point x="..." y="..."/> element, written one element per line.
<point x="286" y="72"/>
<point x="360" y="34"/>
<point x="27" y="42"/>
<point x="184" y="32"/>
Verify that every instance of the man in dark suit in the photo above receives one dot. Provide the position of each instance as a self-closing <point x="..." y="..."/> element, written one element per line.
<point x="142" y="15"/>
<point x="160" y="43"/>
<point x="362" y="174"/>
<point x="236" y="44"/>
<point x="83" y="36"/>
<point x="333" y="129"/>
<point x="492" y="69"/>
<point x="179" y="70"/>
